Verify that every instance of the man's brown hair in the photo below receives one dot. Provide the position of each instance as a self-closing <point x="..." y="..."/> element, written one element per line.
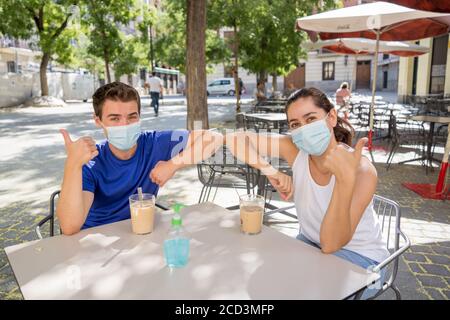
<point x="116" y="91"/>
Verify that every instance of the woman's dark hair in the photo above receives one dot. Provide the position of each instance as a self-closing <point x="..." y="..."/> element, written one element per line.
<point x="343" y="131"/>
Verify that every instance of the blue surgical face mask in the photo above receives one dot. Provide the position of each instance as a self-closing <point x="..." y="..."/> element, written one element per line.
<point x="124" y="137"/>
<point x="313" y="138"/>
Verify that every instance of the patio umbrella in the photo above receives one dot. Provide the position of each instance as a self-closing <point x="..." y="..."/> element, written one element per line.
<point x="353" y="46"/>
<point x="379" y="21"/>
<point x="426" y="5"/>
<point x="361" y="46"/>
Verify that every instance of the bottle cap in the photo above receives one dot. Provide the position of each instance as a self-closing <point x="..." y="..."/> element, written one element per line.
<point x="176" y="220"/>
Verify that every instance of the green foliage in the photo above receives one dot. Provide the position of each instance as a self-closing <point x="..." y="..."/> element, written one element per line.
<point x="170" y="45"/>
<point x="47" y="21"/>
<point x="127" y="61"/>
<point x="102" y="20"/>
<point x="268" y="42"/>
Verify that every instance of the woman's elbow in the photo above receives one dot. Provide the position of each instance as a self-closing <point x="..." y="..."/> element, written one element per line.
<point x="218" y="138"/>
<point x="229" y="137"/>
<point x="329" y="247"/>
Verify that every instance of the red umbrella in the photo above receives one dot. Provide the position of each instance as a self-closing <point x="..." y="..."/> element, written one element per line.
<point x="435" y="6"/>
<point x="359" y="46"/>
<point x="426" y="5"/>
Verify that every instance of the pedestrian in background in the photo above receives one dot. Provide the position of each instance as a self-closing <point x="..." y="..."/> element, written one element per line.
<point x="343" y="95"/>
<point x="156" y="87"/>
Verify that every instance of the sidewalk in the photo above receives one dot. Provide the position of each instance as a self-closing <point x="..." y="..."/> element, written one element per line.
<point x="33" y="155"/>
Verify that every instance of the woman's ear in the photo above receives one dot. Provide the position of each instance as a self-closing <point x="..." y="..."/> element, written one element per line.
<point x="332" y="117"/>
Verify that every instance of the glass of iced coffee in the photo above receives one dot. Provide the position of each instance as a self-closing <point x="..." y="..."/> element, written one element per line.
<point x="142" y="210"/>
<point x="251" y="212"/>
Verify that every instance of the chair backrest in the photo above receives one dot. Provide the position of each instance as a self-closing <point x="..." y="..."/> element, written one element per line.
<point x="50" y="217"/>
<point x="211" y="171"/>
<point x="389" y="215"/>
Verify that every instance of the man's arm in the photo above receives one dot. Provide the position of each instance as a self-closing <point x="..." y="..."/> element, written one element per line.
<point x="251" y="147"/>
<point x="74" y="203"/>
<point x="201" y="145"/>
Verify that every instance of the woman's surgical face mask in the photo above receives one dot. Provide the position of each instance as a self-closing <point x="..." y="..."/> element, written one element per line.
<point x="313" y="138"/>
<point x="123" y="137"/>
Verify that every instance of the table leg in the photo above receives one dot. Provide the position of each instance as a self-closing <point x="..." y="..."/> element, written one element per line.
<point x="430" y="144"/>
<point x="440" y="185"/>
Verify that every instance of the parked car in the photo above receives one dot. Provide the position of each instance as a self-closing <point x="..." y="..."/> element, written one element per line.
<point x="221" y="86"/>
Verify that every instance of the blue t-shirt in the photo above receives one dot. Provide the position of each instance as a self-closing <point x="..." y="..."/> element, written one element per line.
<point x="113" y="180"/>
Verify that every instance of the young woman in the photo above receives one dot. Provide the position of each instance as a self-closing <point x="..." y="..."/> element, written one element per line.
<point x="333" y="185"/>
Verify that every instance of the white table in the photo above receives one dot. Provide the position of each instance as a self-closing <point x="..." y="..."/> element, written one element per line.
<point x="109" y="262"/>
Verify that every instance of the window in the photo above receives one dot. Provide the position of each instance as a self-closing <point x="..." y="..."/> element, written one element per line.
<point x="215" y="83"/>
<point x="328" y="71"/>
<point x="385" y="56"/>
<point x="438" y="64"/>
<point x="228" y="71"/>
<point x="225" y="82"/>
<point x="11" y="66"/>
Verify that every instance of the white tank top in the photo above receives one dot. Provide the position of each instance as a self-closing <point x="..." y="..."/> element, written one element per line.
<point x="312" y="200"/>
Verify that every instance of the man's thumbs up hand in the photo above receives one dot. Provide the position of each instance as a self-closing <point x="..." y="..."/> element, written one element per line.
<point x="81" y="151"/>
<point x="66" y="136"/>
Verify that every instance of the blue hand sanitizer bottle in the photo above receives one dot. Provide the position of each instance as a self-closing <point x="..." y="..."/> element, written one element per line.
<point x="176" y="245"/>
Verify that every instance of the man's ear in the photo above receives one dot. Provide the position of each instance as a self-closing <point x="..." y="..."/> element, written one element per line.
<point x="96" y="120"/>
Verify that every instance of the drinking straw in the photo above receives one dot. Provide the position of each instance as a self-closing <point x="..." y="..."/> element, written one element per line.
<point x="141" y="197"/>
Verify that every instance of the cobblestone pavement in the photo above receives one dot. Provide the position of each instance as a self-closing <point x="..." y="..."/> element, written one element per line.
<point x="33" y="155"/>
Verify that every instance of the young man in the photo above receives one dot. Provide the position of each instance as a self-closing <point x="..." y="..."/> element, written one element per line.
<point x="99" y="178"/>
<point x="155" y="84"/>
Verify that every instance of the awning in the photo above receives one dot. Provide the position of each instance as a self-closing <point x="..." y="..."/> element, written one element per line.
<point x="166" y="71"/>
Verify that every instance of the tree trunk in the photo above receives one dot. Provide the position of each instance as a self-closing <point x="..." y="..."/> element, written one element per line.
<point x="107" y="72"/>
<point x="274" y="83"/>
<point x="237" y="84"/>
<point x="197" y="106"/>
<point x="130" y="79"/>
<point x="262" y="77"/>
<point x="43" y="73"/>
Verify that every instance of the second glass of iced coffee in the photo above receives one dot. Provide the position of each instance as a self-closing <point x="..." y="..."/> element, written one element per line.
<point x="251" y="213"/>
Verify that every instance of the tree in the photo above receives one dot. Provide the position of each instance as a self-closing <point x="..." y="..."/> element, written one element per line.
<point x="269" y="43"/>
<point x="45" y="20"/>
<point x="196" y="64"/>
<point x="103" y="20"/>
<point x="127" y="61"/>
<point x="232" y="14"/>
<point x="170" y="45"/>
<point x="146" y="26"/>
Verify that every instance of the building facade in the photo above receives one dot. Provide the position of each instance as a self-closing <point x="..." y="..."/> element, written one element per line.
<point x="428" y="74"/>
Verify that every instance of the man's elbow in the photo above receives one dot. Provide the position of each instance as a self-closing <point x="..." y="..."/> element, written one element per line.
<point x="70" y="230"/>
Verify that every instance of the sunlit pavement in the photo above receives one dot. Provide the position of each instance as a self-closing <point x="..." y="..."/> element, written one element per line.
<point x="32" y="158"/>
